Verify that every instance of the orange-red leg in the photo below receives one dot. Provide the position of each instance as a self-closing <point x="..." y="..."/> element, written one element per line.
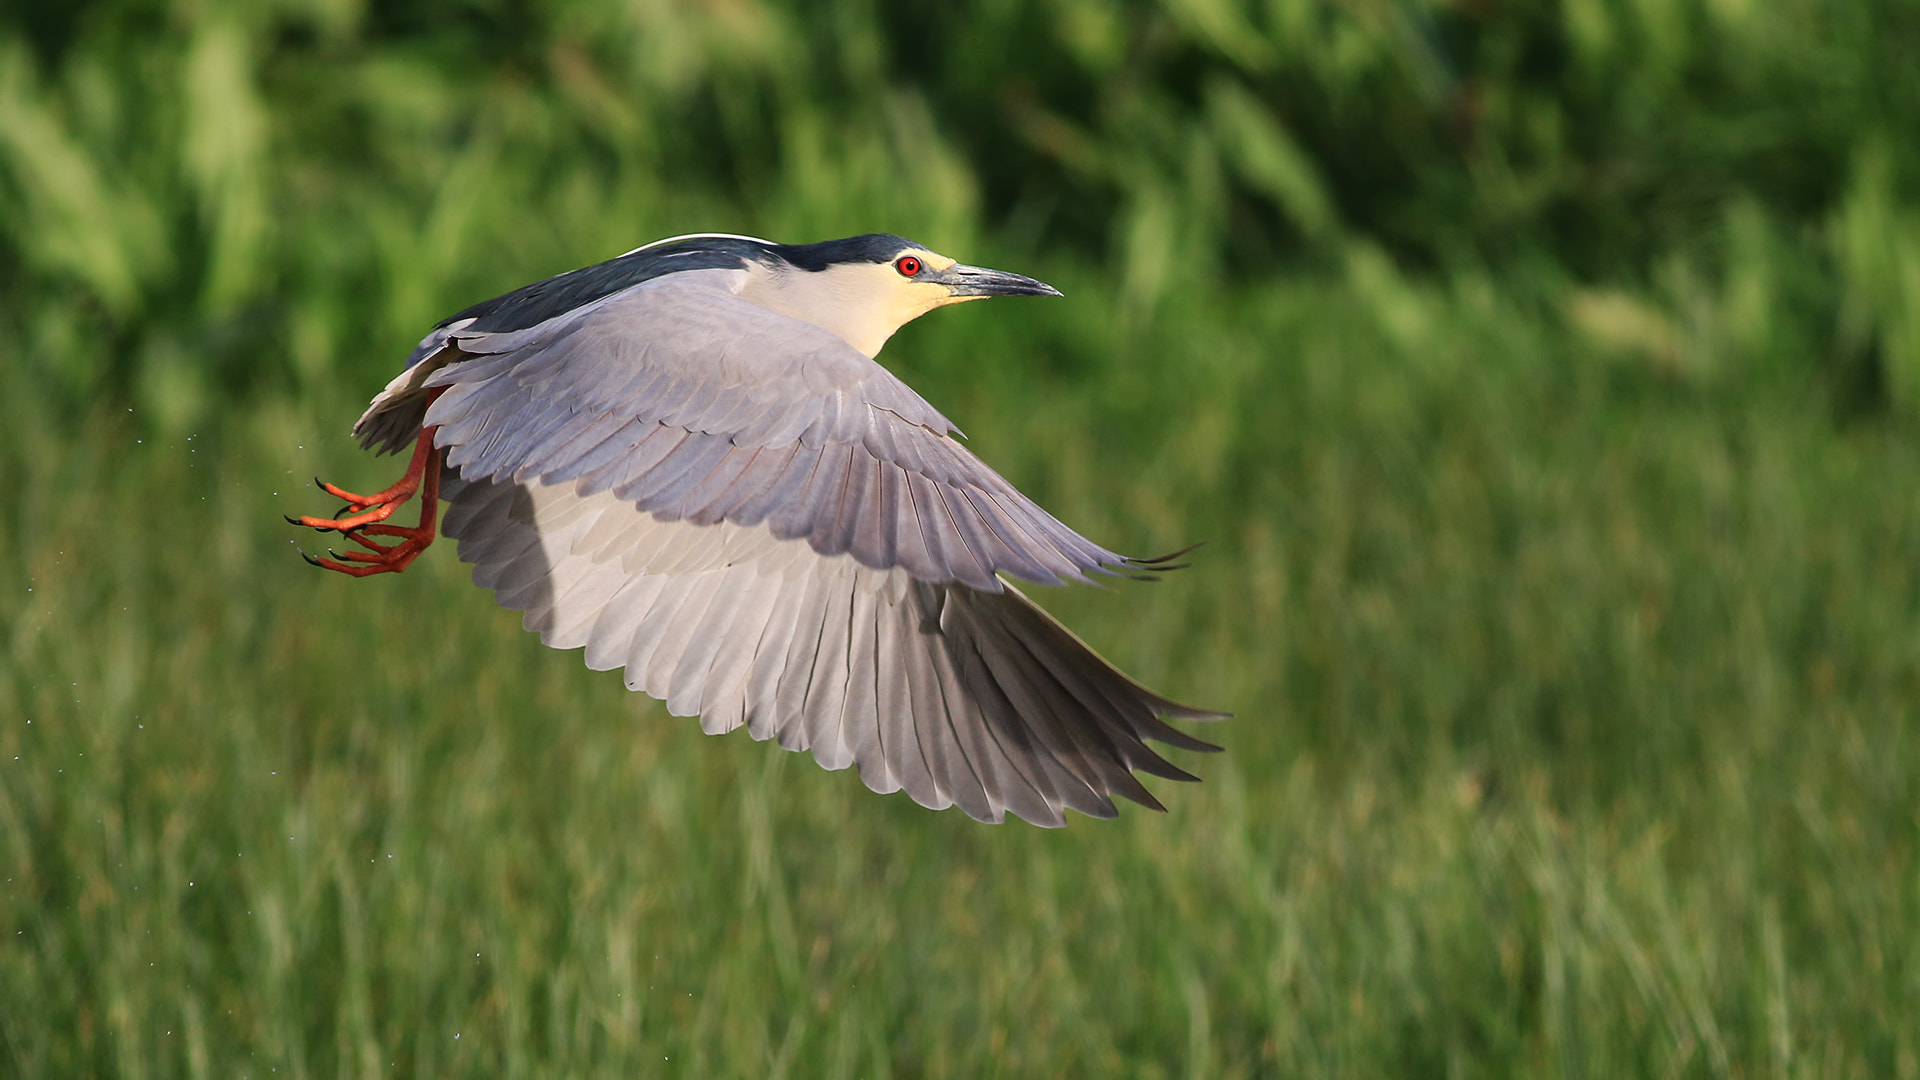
<point x="364" y="516"/>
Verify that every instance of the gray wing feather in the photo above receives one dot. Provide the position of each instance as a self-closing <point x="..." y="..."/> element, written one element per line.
<point x="652" y="634"/>
<point x="680" y="470"/>
<point x="598" y="446"/>
<point x="781" y="491"/>
<point x="704" y="490"/>
<point x="976" y="540"/>
<point x="797" y="671"/>
<point x="936" y="533"/>
<point x="1073" y="759"/>
<point x="939" y="711"/>
<point x="956" y="695"/>
<point x="611" y="637"/>
<point x="679" y="673"/>
<point x="860" y="717"/>
<point x="825" y="701"/>
<point x="795" y="517"/>
<point x="649" y="452"/>
<point x="586" y="436"/>
<point x="724" y="699"/>
<point x="766" y="479"/>
<point x="772" y="697"/>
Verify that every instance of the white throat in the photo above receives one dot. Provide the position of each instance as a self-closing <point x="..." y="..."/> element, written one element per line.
<point x="864" y="303"/>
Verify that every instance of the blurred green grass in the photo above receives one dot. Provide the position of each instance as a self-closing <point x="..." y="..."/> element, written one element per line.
<point x="1555" y="477"/>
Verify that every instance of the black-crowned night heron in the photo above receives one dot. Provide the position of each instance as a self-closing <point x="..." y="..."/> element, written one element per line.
<point x="687" y="461"/>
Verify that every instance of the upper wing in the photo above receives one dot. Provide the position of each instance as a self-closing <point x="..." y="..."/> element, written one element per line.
<point x="691" y="403"/>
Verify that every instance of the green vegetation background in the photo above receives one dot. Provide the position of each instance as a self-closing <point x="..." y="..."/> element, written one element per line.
<point x="1543" y="378"/>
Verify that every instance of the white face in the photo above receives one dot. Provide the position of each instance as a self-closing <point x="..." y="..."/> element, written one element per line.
<point x="862" y="302"/>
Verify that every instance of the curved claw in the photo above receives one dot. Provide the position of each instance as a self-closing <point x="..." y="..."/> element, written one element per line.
<point x="316" y="524"/>
<point x="311" y="560"/>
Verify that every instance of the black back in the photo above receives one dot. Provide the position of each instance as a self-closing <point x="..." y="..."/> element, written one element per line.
<point x="533" y="304"/>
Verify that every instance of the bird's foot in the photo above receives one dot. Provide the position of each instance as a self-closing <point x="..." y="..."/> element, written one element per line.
<point x="365" y="516"/>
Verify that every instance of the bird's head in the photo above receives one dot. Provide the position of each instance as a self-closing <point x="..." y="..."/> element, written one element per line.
<point x="864" y="288"/>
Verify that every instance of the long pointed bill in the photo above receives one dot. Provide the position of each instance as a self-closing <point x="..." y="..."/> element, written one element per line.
<point x="967" y="282"/>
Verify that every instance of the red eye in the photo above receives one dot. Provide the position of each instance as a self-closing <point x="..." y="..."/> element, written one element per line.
<point x="907" y="265"/>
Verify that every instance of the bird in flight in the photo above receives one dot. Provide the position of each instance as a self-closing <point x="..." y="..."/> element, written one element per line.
<point x="686" y="461"/>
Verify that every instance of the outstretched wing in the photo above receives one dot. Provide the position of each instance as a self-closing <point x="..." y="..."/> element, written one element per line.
<point x="957" y="695"/>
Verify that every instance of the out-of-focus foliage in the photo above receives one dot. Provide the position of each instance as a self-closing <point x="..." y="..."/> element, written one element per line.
<point x="1542" y="377"/>
<point x="196" y="197"/>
